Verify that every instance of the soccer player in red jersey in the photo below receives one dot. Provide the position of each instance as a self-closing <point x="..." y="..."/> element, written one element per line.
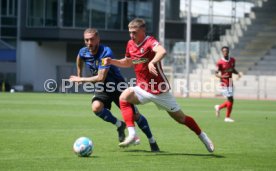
<point x="145" y="54"/>
<point x="225" y="69"/>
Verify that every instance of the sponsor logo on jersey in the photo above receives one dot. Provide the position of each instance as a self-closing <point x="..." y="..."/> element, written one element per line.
<point x="139" y="61"/>
<point x="229" y="70"/>
<point x="142" y="50"/>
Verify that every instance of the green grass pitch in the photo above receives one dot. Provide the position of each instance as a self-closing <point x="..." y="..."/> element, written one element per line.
<point x="37" y="132"/>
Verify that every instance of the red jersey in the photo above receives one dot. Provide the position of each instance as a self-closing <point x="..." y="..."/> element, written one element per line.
<point x="141" y="55"/>
<point x="226" y="68"/>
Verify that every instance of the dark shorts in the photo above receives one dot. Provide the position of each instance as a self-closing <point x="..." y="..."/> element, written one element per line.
<point x="108" y="98"/>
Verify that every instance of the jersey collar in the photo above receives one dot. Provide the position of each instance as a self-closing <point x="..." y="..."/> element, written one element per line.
<point x="222" y="58"/>
<point x="142" y="41"/>
<point x="98" y="52"/>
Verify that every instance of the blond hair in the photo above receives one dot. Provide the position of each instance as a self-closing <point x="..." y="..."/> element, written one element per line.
<point x="137" y="23"/>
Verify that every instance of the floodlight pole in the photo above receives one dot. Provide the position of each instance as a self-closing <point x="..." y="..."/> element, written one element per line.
<point x="162" y="23"/>
<point x="188" y="41"/>
<point x="18" y="44"/>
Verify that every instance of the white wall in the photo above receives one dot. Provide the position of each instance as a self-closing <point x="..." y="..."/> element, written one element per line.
<point x="38" y="62"/>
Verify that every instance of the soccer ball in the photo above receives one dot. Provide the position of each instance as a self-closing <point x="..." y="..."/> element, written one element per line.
<point x="83" y="147"/>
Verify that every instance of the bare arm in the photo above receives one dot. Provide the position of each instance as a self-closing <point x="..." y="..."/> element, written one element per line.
<point x="217" y="74"/>
<point x="79" y="64"/>
<point x="236" y="72"/>
<point x="160" y="53"/>
<point x="123" y="63"/>
<point x="226" y="76"/>
<point x="98" y="78"/>
<point x="220" y="76"/>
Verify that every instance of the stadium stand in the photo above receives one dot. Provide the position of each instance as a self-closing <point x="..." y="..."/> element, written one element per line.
<point x="253" y="43"/>
<point x="266" y="66"/>
<point x="257" y="40"/>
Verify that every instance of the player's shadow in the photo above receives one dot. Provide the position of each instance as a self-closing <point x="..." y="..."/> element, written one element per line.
<point x="165" y="153"/>
<point x="90" y="157"/>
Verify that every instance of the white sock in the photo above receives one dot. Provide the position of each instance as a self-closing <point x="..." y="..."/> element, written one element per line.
<point x="131" y="131"/>
<point x="118" y="123"/>
<point x="201" y="134"/>
<point x="152" y="140"/>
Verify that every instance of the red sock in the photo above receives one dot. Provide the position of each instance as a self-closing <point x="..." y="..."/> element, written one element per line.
<point x="229" y="109"/>
<point x="190" y="122"/>
<point x="223" y="105"/>
<point x="127" y="113"/>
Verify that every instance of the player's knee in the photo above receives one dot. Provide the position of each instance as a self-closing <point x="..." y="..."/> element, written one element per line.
<point x="122" y="98"/>
<point x="125" y="96"/>
<point x="97" y="107"/>
<point x="136" y="116"/>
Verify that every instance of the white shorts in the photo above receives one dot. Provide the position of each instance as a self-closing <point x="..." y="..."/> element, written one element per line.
<point x="163" y="101"/>
<point x="227" y="91"/>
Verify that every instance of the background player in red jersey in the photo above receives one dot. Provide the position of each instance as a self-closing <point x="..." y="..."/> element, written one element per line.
<point x="225" y="69"/>
<point x="145" y="54"/>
